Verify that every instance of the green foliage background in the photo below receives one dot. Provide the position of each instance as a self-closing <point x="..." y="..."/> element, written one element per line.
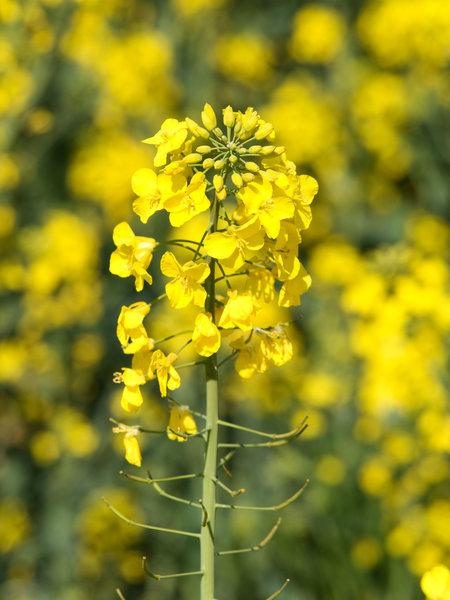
<point x="358" y="93"/>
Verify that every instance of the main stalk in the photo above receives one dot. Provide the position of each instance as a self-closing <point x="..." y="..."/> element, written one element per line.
<point x="207" y="546"/>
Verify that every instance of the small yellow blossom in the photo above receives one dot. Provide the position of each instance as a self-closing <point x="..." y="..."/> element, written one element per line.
<point x="181" y="422"/>
<point x="239" y="311"/>
<point x="258" y="198"/>
<point x="132" y="450"/>
<point x="130" y="330"/>
<point x="188" y="202"/>
<point x="169" y="138"/>
<point x="236" y="245"/>
<point x="161" y="366"/>
<point x="206" y="336"/>
<point x="186" y="286"/>
<point x="132" y="256"/>
<point x="132" y="395"/>
<point x="292" y="289"/>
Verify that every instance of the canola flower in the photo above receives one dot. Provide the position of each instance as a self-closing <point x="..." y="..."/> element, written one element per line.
<point x="246" y="260"/>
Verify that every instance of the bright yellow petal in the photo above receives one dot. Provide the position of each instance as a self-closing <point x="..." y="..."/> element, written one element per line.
<point x="219" y="245"/>
<point x="170" y="267"/>
<point x="143" y="182"/>
<point x="123" y="234"/>
<point x="132" y="450"/>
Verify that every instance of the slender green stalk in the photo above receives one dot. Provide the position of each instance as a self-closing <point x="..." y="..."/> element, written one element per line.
<point x="207" y="549"/>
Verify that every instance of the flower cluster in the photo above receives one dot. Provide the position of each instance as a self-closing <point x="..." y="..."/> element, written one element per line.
<point x="258" y="207"/>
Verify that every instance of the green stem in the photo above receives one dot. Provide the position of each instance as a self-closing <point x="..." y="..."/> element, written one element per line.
<point x="207" y="549"/>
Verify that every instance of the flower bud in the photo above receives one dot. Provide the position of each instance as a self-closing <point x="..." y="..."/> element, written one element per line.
<point x="209" y="117"/>
<point x="252" y="166"/>
<point x="208" y="163"/>
<point x="228" y="117"/>
<point x="193" y="157"/>
<point x="238" y="127"/>
<point x="241" y="150"/>
<point x="203" y="149"/>
<point x="237" y="180"/>
<point x="222" y="194"/>
<point x="219" y="133"/>
<point x="233" y="159"/>
<point x="219" y="164"/>
<point x="218" y="182"/>
<point x="263" y="131"/>
<point x="279" y="150"/>
<point x="195" y="129"/>
<point x="266" y="150"/>
<point x="255" y="149"/>
<point x="248" y="177"/>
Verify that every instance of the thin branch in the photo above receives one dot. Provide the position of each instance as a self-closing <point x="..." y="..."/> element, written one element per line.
<point x="159" y="577"/>
<point x="271" y="444"/>
<point x="160" y="491"/>
<point x="278" y="592"/>
<point x="273" y="436"/>
<point x="271" y="508"/>
<point x="159" y="480"/>
<point x="227" y="358"/>
<point x="152" y="527"/>
<point x="223" y="461"/>
<point x="233" y="493"/>
<point x="119" y="593"/>
<point x="191" y="364"/>
<point x="257" y="547"/>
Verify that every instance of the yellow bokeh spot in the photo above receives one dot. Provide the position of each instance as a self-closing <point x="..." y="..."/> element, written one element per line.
<point x="45" y="448"/>
<point x="366" y="552"/>
<point x="331" y="470"/>
<point x="15" y="524"/>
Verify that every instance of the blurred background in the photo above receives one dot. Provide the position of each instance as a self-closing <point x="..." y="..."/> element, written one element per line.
<point x="358" y="93"/>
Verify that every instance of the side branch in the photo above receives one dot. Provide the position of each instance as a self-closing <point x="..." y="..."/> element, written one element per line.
<point x="159" y="489"/>
<point x="257" y="547"/>
<point x="274" y="436"/>
<point x="278" y="592"/>
<point x="274" y="508"/>
<point x="159" y="577"/>
<point x="152" y="527"/>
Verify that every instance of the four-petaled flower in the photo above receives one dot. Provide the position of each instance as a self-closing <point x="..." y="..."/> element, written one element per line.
<point x="132" y="256"/>
<point x="186" y="285"/>
<point x="161" y="366"/>
<point x="181" y="424"/>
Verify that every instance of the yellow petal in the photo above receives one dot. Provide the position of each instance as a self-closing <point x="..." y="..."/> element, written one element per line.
<point x="132" y="450"/>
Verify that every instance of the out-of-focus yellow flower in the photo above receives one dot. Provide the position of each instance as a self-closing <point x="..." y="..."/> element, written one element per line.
<point x="130" y="330"/>
<point x="186" y="286"/>
<point x="239" y="311"/>
<point x="330" y="469"/>
<point x="435" y="583"/>
<point x="258" y="64"/>
<point x="206" y="336"/>
<point x="161" y="366"/>
<point x="133" y="255"/>
<point x="169" y="138"/>
<point x="180" y="422"/>
<point x="366" y="553"/>
<point x="195" y="8"/>
<point x="15" y="524"/>
<point x="318" y="34"/>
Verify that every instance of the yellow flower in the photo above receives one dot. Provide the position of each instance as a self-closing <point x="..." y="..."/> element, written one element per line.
<point x="162" y="368"/>
<point x="258" y="198"/>
<point x="180" y="422"/>
<point x="293" y="288"/>
<point x="284" y="252"/>
<point x="186" y="286"/>
<point x="209" y="117"/>
<point x="188" y="202"/>
<point x="435" y="583"/>
<point x="130" y="330"/>
<point x="239" y="311"/>
<point x="169" y="138"/>
<point x="132" y="450"/>
<point x="237" y="244"/>
<point x="276" y="346"/>
<point x="250" y="361"/>
<point x="206" y="336"/>
<point x="152" y="190"/>
<point x="261" y="283"/>
<point x="132" y="256"/>
<point x="131" y="395"/>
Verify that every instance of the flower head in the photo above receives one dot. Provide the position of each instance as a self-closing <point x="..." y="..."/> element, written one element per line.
<point x="181" y="424"/>
<point x="186" y="285"/>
